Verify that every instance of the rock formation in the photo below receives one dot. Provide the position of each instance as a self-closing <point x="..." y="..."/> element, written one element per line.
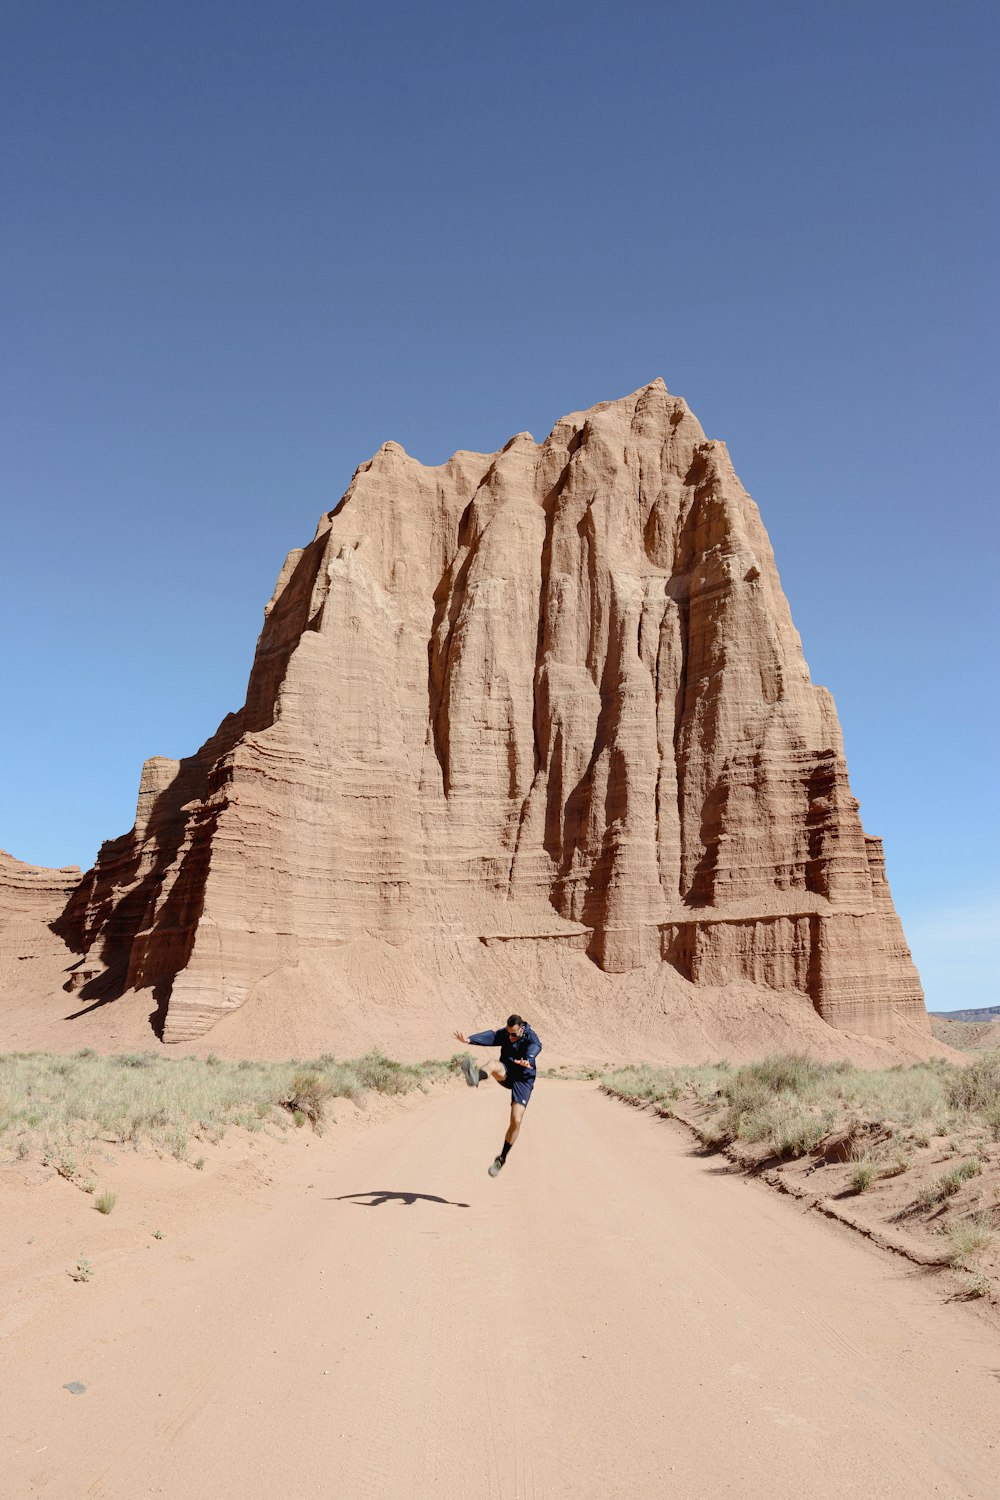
<point x="551" y="695"/>
<point x="29" y="897"/>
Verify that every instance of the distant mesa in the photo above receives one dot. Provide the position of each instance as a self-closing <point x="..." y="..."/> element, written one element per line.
<point x="543" y="710"/>
<point x="982" y="1015"/>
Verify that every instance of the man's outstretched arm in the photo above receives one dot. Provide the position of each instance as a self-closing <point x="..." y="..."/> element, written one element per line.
<point x="481" y="1038"/>
<point x="533" y="1049"/>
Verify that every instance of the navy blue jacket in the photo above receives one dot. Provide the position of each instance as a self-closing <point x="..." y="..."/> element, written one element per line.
<point x="527" y="1046"/>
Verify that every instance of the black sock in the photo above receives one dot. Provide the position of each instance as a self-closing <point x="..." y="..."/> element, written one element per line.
<point x="506" y="1147"/>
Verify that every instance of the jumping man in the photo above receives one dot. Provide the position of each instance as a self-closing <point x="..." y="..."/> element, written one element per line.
<point x="514" y="1070"/>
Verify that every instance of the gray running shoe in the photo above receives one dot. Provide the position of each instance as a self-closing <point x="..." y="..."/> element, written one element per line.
<point x="471" y="1071"/>
<point x="495" y="1166"/>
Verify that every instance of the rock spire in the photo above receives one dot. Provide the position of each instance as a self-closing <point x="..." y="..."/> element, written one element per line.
<point x="550" y="695"/>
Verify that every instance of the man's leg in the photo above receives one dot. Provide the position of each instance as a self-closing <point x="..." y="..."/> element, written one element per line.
<point x="516" y="1116"/>
<point x="474" y="1074"/>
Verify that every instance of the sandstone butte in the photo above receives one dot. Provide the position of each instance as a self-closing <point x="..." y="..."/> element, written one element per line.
<point x="528" y="730"/>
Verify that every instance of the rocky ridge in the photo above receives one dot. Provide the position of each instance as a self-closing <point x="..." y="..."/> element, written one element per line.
<point x="549" y="698"/>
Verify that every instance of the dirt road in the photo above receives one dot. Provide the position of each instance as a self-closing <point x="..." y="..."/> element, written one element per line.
<point x="613" y="1316"/>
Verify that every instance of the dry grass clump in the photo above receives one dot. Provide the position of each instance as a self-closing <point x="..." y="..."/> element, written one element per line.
<point x="308" y="1098"/>
<point x="663" y="1086"/>
<point x="898" y="1162"/>
<point x="378" y="1072"/>
<point x="778" y="1103"/>
<point x="968" y="1239"/>
<point x="976" y="1285"/>
<point x="787" y="1072"/>
<point x="784" y="1124"/>
<point x="56" y="1106"/>
<point x="864" y="1176"/>
<point x="975" y="1091"/>
<point x="948" y="1184"/>
<point x="876" y="1163"/>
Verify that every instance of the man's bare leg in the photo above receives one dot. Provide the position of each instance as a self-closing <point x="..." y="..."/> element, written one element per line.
<point x="516" y="1116"/>
<point x="474" y="1074"/>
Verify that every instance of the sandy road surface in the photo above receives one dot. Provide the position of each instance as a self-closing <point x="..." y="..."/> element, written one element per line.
<point x="612" y="1317"/>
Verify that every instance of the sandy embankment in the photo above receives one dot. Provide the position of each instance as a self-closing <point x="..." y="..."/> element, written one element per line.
<point x="890" y="1210"/>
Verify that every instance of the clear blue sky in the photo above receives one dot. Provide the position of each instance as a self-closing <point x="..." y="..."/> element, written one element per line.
<point x="244" y="243"/>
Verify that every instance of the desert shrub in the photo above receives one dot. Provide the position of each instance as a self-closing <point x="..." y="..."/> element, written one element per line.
<point x="970" y="1168"/>
<point x="931" y="1193"/>
<point x="968" y="1238"/>
<point x="909" y="1096"/>
<point x="378" y="1072"/>
<point x="746" y="1097"/>
<point x="83" y="1270"/>
<point x="663" y="1085"/>
<point x="776" y="1103"/>
<point x="948" y="1184"/>
<point x="785" y="1126"/>
<point x="899" y="1162"/>
<point x="976" y="1089"/>
<point x="863" y="1176"/>
<point x="105" y="1202"/>
<point x="652" y="1085"/>
<point x="308" y="1097"/>
<point x="788" y="1072"/>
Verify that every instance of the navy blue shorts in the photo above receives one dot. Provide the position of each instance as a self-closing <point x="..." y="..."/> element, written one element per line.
<point x="519" y="1087"/>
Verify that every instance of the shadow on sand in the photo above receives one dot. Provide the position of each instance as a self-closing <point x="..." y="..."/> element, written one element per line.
<point x="379" y="1196"/>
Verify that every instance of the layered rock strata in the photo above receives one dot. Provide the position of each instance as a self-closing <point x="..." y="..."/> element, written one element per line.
<point x="549" y="695"/>
<point x="31" y="897"/>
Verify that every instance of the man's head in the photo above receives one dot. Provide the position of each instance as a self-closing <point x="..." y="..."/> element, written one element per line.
<point x="515" y="1026"/>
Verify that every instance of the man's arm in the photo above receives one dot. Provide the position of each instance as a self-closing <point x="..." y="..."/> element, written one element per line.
<point x="480" y="1038"/>
<point x="531" y="1052"/>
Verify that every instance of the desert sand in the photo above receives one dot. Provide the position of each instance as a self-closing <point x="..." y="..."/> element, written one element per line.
<point x="613" y="1316"/>
<point x="968" y="1036"/>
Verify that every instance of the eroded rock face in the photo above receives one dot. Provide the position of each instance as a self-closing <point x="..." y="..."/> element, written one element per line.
<point x="548" y="694"/>
<point x="31" y="898"/>
<point x="31" y="895"/>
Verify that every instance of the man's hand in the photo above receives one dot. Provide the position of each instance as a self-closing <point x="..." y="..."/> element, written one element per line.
<point x="522" y="1062"/>
<point x="460" y="1038"/>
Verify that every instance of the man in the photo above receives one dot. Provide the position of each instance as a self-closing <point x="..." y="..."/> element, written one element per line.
<point x="514" y="1070"/>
